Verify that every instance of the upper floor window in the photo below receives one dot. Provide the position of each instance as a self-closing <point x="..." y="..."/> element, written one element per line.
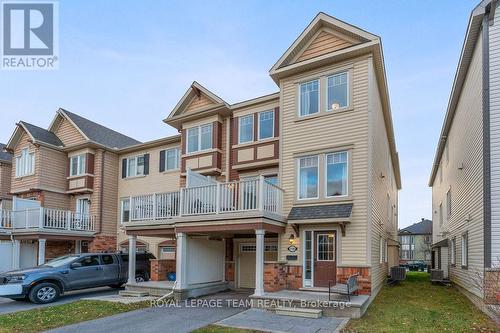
<point x="77" y="165"/>
<point x="135" y="166"/>
<point x="199" y="138"/>
<point x="266" y="124"/>
<point x="308" y="177"/>
<point x="172" y="158"/>
<point x="309" y="98"/>
<point x="25" y="163"/>
<point x="448" y="203"/>
<point x="338" y="91"/>
<point x="336" y="174"/>
<point x="246" y="129"/>
<point x="405" y="239"/>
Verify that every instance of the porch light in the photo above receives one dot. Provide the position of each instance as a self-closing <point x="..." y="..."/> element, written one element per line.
<point x="291" y="240"/>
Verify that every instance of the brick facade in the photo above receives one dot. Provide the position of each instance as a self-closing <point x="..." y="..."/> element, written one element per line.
<point x="294" y="277"/>
<point x="229" y="271"/>
<point x="54" y="249"/>
<point x="492" y="287"/>
<point x="364" y="278"/>
<point x="160" y="268"/>
<point x="102" y="244"/>
<point x="279" y="276"/>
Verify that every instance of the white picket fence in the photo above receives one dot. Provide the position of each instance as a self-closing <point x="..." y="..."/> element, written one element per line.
<point x="214" y="198"/>
<point x="46" y="218"/>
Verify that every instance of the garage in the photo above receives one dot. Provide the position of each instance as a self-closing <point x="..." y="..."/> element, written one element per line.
<point x="246" y="262"/>
<point x="5" y="255"/>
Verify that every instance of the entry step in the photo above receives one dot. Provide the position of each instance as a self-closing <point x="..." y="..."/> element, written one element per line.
<point x="132" y="293"/>
<point x="299" y="312"/>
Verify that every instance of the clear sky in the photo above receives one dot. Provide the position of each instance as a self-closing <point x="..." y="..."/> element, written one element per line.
<point x="125" y="64"/>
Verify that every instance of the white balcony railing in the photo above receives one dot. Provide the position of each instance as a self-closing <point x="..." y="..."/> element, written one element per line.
<point x="46" y="218"/>
<point x="214" y="198"/>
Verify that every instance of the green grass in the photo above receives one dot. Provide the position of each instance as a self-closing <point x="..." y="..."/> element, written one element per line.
<point x="416" y="305"/>
<point x="41" y="319"/>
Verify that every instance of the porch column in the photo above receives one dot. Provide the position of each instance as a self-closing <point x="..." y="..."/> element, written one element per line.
<point x="16" y="254"/>
<point x="259" y="262"/>
<point x="78" y="246"/>
<point x="132" y="242"/>
<point x="41" y="251"/>
<point x="181" y="262"/>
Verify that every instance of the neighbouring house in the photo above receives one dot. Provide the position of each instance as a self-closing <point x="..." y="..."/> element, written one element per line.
<point x="64" y="183"/>
<point x="294" y="190"/>
<point x="5" y="175"/>
<point x="465" y="176"/>
<point x="416" y="241"/>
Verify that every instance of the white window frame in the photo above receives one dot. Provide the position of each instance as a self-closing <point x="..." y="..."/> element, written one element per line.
<point x="258" y="124"/>
<point x="177" y="161"/>
<point x="453" y="253"/>
<point x="465" y="250"/>
<point x="328" y="106"/>
<point x="25" y="163"/>
<point x="448" y="204"/>
<point x="162" y="249"/>
<point x="300" y="98"/>
<point x="326" y="175"/>
<point x="81" y="165"/>
<point x="122" y="204"/>
<point x="137" y="174"/>
<point x="334" y="246"/>
<point x="240" y="119"/>
<point x="199" y="129"/>
<point x="298" y="177"/>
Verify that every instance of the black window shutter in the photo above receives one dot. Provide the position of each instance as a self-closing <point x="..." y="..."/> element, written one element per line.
<point x="146" y="164"/>
<point x="162" y="160"/>
<point x="124" y="168"/>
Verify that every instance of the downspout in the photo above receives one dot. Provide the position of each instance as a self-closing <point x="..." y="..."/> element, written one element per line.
<point x="101" y="192"/>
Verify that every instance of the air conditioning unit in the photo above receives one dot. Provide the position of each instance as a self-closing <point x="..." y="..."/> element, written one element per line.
<point x="398" y="273"/>
<point x="437" y="275"/>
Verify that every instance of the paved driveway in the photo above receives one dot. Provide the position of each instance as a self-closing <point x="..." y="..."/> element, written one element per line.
<point x="170" y="319"/>
<point x="8" y="306"/>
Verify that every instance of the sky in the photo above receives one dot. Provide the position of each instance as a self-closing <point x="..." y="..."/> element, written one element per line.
<point x="125" y="64"/>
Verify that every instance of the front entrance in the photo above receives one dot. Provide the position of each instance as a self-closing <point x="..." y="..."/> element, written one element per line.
<point x="325" y="264"/>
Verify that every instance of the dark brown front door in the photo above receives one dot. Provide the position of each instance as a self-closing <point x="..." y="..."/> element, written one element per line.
<point x="325" y="264"/>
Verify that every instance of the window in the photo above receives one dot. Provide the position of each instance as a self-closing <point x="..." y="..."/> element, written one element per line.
<point x="266" y="124"/>
<point x="465" y="250"/>
<point x="173" y="157"/>
<point x="338" y="91"/>
<point x="125" y="210"/>
<point x="336" y="174"/>
<point x="381" y="250"/>
<point x="199" y="138"/>
<point x="135" y="166"/>
<point x="308" y="177"/>
<point x="246" y="129"/>
<point x="77" y="165"/>
<point x="25" y="163"/>
<point x="167" y="249"/>
<point x="107" y="259"/>
<point x="441" y="214"/>
<point x="308" y="255"/>
<point x="453" y="251"/>
<point x="448" y="203"/>
<point x="271" y="179"/>
<point x="309" y="98"/>
<point x="89" y="261"/>
<point x="326" y="247"/>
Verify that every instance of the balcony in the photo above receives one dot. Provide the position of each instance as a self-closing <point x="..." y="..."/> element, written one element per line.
<point x="211" y="200"/>
<point x="45" y="219"/>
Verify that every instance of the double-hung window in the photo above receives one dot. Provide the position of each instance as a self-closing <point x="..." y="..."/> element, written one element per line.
<point x="172" y="158"/>
<point x="199" y="138"/>
<point x="448" y="203"/>
<point x="25" y="163"/>
<point x="77" y="165"/>
<point x="336" y="174"/>
<point x="308" y="177"/>
<point x="266" y="124"/>
<point x="135" y="166"/>
<point x="465" y="250"/>
<point x="453" y="251"/>
<point x="125" y="210"/>
<point x="337" y="91"/>
<point x="246" y="129"/>
<point x="309" y="98"/>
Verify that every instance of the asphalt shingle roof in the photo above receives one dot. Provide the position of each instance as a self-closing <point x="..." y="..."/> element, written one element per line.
<point x="423" y="227"/>
<point x="101" y="134"/>
<point x="320" y="212"/>
<point x="4" y="156"/>
<point x="43" y="135"/>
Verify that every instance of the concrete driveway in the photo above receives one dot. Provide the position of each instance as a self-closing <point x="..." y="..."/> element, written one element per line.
<point x="8" y="306"/>
<point x="184" y="318"/>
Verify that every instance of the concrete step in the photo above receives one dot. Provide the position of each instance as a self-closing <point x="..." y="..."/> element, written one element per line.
<point x="299" y="312"/>
<point x="315" y="289"/>
<point x="132" y="293"/>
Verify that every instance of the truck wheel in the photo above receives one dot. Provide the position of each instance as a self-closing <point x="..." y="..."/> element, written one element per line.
<point x="45" y="292"/>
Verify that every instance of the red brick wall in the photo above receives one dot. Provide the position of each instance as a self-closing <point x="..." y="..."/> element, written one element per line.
<point x="492" y="287"/>
<point x="364" y="278"/>
<point x="294" y="277"/>
<point x="274" y="276"/>
<point x="160" y="268"/>
<point x="54" y="249"/>
<point x="103" y="243"/>
<point x="229" y="271"/>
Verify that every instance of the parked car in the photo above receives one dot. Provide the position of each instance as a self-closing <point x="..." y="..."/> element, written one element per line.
<point x="415" y="265"/>
<point x="45" y="283"/>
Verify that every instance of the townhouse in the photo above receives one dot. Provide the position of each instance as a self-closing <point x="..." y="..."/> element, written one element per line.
<point x="289" y="191"/>
<point x="416" y="241"/>
<point x="63" y="184"/>
<point x="465" y="175"/>
<point x="5" y="173"/>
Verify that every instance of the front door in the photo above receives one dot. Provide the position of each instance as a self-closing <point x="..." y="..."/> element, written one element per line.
<point x="325" y="264"/>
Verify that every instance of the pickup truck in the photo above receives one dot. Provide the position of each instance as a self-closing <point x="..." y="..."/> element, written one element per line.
<point x="45" y="283"/>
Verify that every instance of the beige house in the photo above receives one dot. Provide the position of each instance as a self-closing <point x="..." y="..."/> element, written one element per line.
<point x="5" y="174"/>
<point x="465" y="174"/>
<point x="289" y="191"/>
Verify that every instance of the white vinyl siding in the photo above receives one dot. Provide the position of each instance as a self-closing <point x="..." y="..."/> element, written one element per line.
<point x="25" y="163"/>
<point x="448" y="203"/>
<point x="77" y="165"/>
<point x="453" y="251"/>
<point x="266" y="124"/>
<point x="309" y="98"/>
<point x="338" y="91"/>
<point x="246" y="129"/>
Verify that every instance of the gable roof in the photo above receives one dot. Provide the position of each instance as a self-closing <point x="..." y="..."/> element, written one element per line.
<point x="41" y="134"/>
<point x="5" y="157"/>
<point x="423" y="227"/>
<point x="97" y="133"/>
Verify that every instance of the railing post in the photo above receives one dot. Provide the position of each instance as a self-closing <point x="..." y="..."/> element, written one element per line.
<point x="261" y="193"/>
<point x="68" y="220"/>
<point x="154" y="206"/>
<point x="217" y="198"/>
<point x="131" y="209"/>
<point x="181" y="200"/>
<point x="40" y="218"/>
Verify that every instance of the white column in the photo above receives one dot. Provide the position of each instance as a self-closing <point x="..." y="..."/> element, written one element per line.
<point x="78" y="246"/>
<point x="259" y="262"/>
<point x="41" y="251"/>
<point x="16" y="253"/>
<point x="224" y="260"/>
<point x="181" y="262"/>
<point x="132" y="241"/>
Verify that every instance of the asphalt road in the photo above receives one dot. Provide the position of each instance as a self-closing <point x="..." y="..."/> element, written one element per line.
<point x="8" y="306"/>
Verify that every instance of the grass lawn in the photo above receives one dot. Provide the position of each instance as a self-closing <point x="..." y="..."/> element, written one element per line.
<point x="41" y="319"/>
<point x="417" y="306"/>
